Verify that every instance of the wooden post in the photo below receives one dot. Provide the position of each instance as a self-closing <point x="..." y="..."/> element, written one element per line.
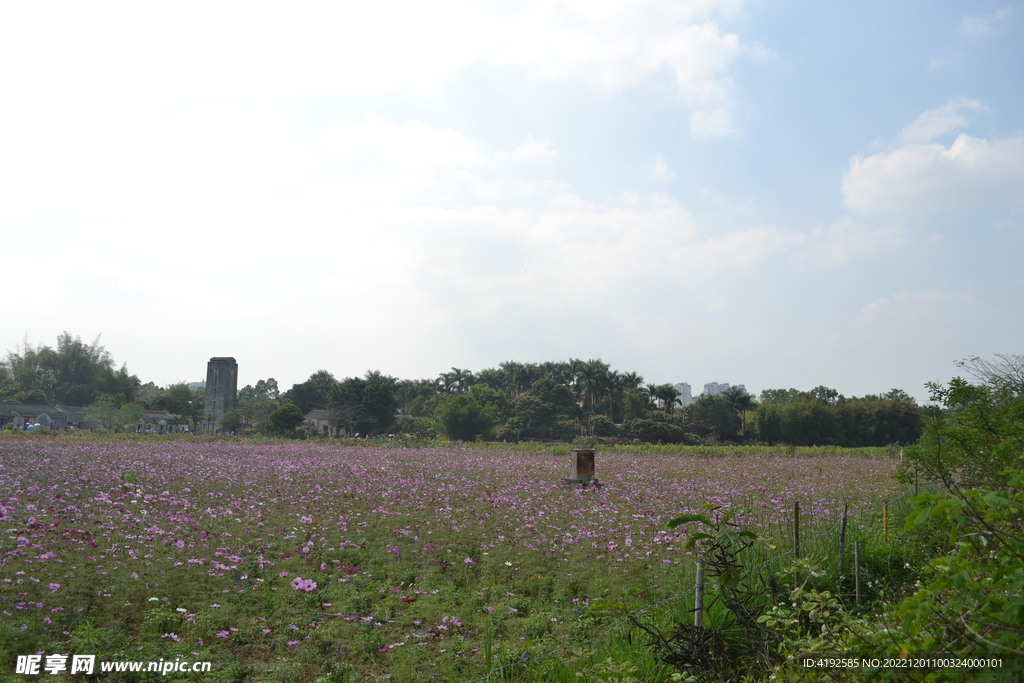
<point x="698" y="597"/>
<point x="842" y="541"/>
<point x="885" y="522"/>
<point x="583" y="464"/>
<point x="856" y="569"/>
<point x="796" y="529"/>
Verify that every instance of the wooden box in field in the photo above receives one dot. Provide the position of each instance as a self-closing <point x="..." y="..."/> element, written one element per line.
<point x="583" y="464"/>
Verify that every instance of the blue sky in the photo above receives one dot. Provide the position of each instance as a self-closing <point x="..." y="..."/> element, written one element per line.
<point x="769" y="193"/>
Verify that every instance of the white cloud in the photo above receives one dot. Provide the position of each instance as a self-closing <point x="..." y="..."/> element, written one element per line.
<point x="846" y="239"/>
<point x="740" y="249"/>
<point x="711" y="124"/>
<point x="917" y="307"/>
<point x="937" y="122"/>
<point x="534" y="149"/>
<point x="920" y="176"/>
<point x="971" y="173"/>
<point x="617" y="43"/>
<point x="977" y="27"/>
<point x="234" y="50"/>
<point x="412" y="146"/>
<point x="660" y="171"/>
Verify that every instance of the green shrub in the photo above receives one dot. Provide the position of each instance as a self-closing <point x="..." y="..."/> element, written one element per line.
<point x="654" y="431"/>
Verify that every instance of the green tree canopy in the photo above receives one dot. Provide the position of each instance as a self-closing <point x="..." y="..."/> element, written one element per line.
<point x="363" y="405"/>
<point x="462" y="417"/>
<point x="313" y="393"/>
<point x="558" y="397"/>
<point x="714" y="416"/>
<point x="536" y="418"/>
<point x="73" y="373"/>
<point x="284" y="420"/>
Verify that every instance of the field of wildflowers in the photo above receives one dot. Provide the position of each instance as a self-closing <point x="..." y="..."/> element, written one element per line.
<point x="317" y="561"/>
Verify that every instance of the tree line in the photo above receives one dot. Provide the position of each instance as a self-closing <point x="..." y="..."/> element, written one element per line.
<point x="558" y="400"/>
<point x="566" y="400"/>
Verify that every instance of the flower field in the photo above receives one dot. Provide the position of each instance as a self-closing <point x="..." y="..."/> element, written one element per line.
<point x="298" y="561"/>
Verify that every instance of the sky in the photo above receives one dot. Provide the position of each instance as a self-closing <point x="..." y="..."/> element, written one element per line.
<point x="776" y="194"/>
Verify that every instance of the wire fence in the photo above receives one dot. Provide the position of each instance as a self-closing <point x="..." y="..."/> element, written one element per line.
<point x="775" y="558"/>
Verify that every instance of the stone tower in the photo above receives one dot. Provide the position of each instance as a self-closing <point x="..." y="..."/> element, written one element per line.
<point x="221" y="387"/>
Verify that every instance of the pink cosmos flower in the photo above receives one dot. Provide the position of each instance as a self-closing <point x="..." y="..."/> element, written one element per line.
<point x="304" y="585"/>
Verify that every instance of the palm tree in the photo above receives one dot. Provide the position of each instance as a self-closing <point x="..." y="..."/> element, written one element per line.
<point x="491" y="378"/>
<point x="630" y="381"/>
<point x="741" y="402"/>
<point x="558" y="371"/>
<point x="614" y="386"/>
<point x="457" y="381"/>
<point x="669" y="396"/>
<point x="592" y="379"/>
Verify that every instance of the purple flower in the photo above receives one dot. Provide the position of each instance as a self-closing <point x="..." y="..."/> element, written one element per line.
<point x="304" y="585"/>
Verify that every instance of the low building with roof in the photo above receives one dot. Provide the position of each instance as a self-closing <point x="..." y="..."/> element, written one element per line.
<point x="318" y="422"/>
<point x="160" y="422"/>
<point x="22" y="415"/>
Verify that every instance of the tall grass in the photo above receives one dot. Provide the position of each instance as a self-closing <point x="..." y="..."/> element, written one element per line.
<point x="885" y="573"/>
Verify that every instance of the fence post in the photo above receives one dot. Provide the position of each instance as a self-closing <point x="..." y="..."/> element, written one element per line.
<point x="796" y="529"/>
<point x="698" y="597"/>
<point x="842" y="541"/>
<point x="885" y="522"/>
<point x="856" y="569"/>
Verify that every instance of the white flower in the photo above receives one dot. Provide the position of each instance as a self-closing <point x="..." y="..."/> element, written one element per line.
<point x="508" y="564"/>
<point x="154" y="600"/>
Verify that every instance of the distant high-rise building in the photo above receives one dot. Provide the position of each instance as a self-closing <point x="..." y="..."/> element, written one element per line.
<point x="221" y="388"/>
<point x="716" y="389"/>
<point x="685" y="394"/>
